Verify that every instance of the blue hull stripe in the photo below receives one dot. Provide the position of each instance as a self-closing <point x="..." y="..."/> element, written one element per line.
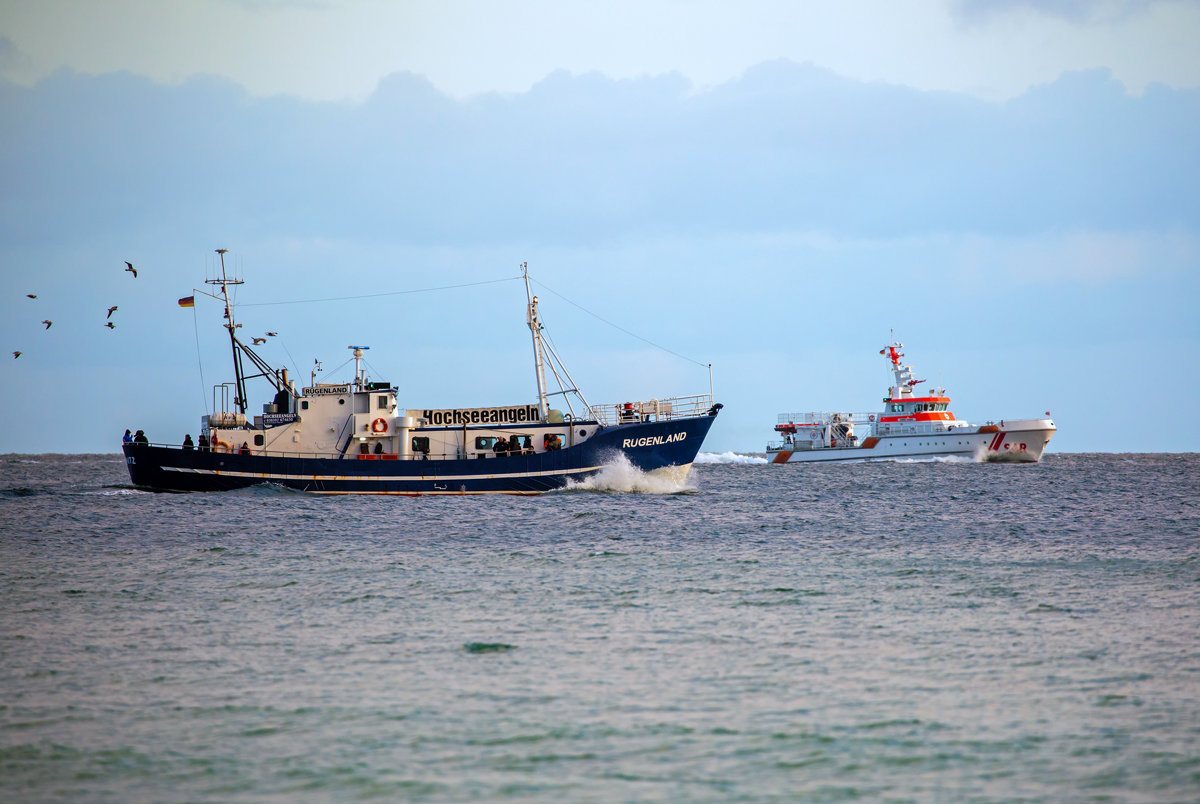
<point x="378" y="478"/>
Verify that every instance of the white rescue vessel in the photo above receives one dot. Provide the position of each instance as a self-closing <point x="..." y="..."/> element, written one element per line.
<point x="911" y="425"/>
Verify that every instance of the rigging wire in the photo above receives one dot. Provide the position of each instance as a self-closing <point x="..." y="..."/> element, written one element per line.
<point x="371" y="368"/>
<point x="196" y="329"/>
<point x="378" y="295"/>
<point x="327" y="373"/>
<point x="614" y="326"/>
<point x="289" y="354"/>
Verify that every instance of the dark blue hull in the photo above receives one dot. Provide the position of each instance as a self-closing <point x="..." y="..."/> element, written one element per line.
<point x="647" y="446"/>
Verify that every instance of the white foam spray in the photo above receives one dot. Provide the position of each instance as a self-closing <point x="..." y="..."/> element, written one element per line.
<point x="619" y="476"/>
<point x="728" y="457"/>
<point x="938" y="459"/>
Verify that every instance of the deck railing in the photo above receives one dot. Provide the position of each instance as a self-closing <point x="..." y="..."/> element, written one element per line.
<point x="655" y="410"/>
<point x="352" y="456"/>
<point x="818" y="417"/>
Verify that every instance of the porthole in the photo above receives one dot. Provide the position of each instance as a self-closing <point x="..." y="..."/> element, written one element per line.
<point x="341" y="401"/>
<point x="583" y="433"/>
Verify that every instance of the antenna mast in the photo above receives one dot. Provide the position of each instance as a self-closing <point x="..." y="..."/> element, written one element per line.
<point x="239" y="399"/>
<point x="535" y="330"/>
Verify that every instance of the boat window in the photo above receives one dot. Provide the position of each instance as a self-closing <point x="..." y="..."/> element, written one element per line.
<point x="303" y="404"/>
<point x="258" y="440"/>
<point x="485" y="442"/>
<point x="382" y="401"/>
<point x="420" y="444"/>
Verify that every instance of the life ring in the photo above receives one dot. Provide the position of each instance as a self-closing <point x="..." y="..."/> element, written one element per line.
<point x="379" y="426"/>
<point x="871" y="418"/>
<point x="219" y="446"/>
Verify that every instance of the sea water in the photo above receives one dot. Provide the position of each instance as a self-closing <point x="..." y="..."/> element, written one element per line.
<point x="952" y="632"/>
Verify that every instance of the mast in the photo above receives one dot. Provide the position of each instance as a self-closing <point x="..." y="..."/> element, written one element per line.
<point x="240" y="398"/>
<point x="535" y="330"/>
<point x="359" y="378"/>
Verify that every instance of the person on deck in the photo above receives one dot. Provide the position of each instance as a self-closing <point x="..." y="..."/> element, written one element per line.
<point x="127" y="438"/>
<point x="187" y="442"/>
<point x="245" y="450"/>
<point x="378" y="447"/>
<point x="514" y="445"/>
<point x="140" y="438"/>
<point x="203" y="443"/>
<point x="500" y="447"/>
<point x="528" y="445"/>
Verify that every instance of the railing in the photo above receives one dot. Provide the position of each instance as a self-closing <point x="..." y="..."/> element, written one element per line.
<point x="795" y="446"/>
<point x="352" y="456"/>
<point x="918" y="428"/>
<point x="803" y="419"/>
<point x="659" y="410"/>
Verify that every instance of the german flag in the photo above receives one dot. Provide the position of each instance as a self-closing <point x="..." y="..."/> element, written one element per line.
<point x="187" y="301"/>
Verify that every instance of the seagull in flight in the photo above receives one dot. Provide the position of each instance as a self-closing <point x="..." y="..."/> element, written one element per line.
<point x="30" y="296"/>
<point x="47" y="323"/>
<point x="258" y="341"/>
<point x="131" y="269"/>
<point x="111" y="325"/>
<point x="17" y="354"/>
<point x="111" y="310"/>
<point x="272" y="334"/>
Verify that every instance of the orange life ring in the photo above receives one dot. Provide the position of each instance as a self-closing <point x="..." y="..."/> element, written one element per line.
<point x="871" y="418"/>
<point x="379" y="426"/>
<point x="219" y="446"/>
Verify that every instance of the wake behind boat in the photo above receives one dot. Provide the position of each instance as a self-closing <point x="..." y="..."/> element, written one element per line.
<point x="354" y="437"/>
<point x="910" y="425"/>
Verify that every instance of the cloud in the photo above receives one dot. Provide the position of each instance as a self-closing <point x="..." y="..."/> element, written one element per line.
<point x="10" y="57"/>
<point x="584" y="158"/>
<point x="1077" y="11"/>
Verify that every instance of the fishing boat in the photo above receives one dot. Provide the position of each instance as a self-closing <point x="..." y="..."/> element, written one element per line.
<point x="354" y="437"/>
<point x="911" y="425"/>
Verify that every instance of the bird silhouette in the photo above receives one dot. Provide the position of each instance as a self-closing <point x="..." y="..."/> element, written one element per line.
<point x="30" y="296"/>
<point x="17" y="354"/>
<point x="47" y="323"/>
<point x="111" y="325"/>
<point x="111" y="310"/>
<point x="258" y="341"/>
<point x="272" y="334"/>
<point x="131" y="269"/>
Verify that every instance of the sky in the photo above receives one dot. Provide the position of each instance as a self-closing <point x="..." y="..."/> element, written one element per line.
<point x="768" y="187"/>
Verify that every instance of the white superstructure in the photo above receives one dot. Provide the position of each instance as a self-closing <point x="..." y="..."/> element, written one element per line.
<point x="911" y="425"/>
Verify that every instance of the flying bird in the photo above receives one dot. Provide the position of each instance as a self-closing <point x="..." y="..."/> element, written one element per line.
<point x="111" y="325"/>
<point x="272" y="334"/>
<point x="131" y="269"/>
<point x="17" y="354"/>
<point x="47" y="323"/>
<point x="258" y="341"/>
<point x="111" y="310"/>
<point x="30" y="296"/>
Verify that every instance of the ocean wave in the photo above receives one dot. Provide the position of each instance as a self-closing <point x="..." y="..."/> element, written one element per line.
<point x="728" y="457"/>
<point x="935" y="459"/>
<point x="619" y="476"/>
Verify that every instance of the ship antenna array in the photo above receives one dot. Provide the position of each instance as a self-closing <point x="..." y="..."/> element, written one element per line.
<point x="239" y="349"/>
<point x="544" y="356"/>
<point x="239" y="374"/>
